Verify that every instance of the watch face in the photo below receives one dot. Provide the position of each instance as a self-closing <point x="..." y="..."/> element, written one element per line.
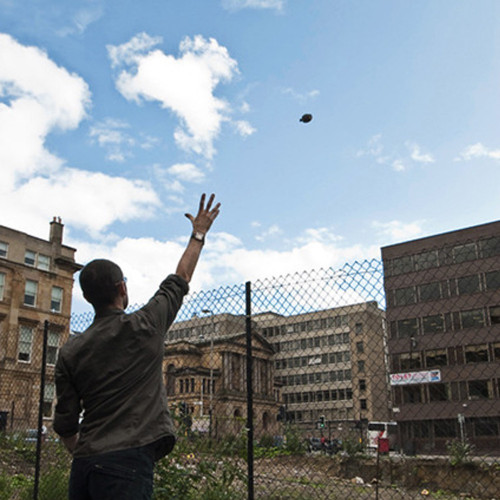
<point x="198" y="236"/>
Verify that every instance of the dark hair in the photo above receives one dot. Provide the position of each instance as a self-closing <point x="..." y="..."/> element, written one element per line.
<point x="99" y="280"/>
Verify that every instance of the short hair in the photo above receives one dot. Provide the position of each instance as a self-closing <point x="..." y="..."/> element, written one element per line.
<point x="99" y="280"/>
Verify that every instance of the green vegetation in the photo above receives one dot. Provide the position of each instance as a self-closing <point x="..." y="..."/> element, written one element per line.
<point x="459" y="452"/>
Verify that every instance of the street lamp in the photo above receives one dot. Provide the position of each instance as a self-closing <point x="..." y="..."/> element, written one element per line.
<point x="211" y="386"/>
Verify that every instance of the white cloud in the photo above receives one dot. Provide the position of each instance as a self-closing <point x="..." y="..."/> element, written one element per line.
<point x="185" y="85"/>
<point x="399" y="161"/>
<point x="478" y="150"/>
<point x="39" y="97"/>
<point x="187" y="172"/>
<point x="82" y="20"/>
<point x="301" y="96"/>
<point x="110" y="134"/>
<point x="273" y="230"/>
<point x="253" y="4"/>
<point x="394" y="231"/>
<point x="244" y="128"/>
<point x="86" y="200"/>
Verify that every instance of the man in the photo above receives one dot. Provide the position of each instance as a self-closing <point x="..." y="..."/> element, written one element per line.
<point x="113" y="372"/>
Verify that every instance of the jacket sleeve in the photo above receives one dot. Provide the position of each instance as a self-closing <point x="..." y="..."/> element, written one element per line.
<point x="163" y="307"/>
<point x="68" y="406"/>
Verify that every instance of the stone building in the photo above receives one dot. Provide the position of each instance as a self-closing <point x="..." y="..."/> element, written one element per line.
<point x="331" y="365"/>
<point x="36" y="282"/>
<point x="206" y="376"/>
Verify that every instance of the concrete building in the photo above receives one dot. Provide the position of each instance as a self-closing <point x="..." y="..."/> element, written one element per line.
<point x="443" y="312"/>
<point x="331" y="365"/>
<point x="205" y="373"/>
<point x="36" y="282"/>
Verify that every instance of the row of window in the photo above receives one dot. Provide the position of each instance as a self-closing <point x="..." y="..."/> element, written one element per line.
<point x="25" y="344"/>
<point x="188" y="385"/>
<point x="433" y="358"/>
<point x="317" y="396"/>
<point x="443" y="257"/>
<point x="31" y="258"/>
<point x="195" y="332"/>
<point x="449" y="428"/>
<point x="312" y="342"/>
<point x="444" y="289"/>
<point x="315" y="378"/>
<point x="307" y="326"/>
<point x="447" y="322"/>
<point x="319" y="359"/>
<point x="31" y="294"/>
<point x="440" y="391"/>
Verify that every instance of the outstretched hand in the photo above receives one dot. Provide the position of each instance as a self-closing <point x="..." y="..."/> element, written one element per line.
<point x="205" y="216"/>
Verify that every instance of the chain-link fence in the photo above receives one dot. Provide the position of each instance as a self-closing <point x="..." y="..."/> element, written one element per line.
<point x="348" y="383"/>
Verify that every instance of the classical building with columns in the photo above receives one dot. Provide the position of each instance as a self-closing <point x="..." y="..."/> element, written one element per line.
<point x="206" y="376"/>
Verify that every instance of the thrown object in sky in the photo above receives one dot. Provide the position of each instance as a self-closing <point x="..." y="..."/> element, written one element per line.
<point x="306" y="118"/>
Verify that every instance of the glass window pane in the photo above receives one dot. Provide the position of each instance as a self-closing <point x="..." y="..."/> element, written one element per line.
<point x="472" y="318"/>
<point x="463" y="253"/>
<point x="493" y="280"/>
<point x="425" y="260"/>
<point x="56" y="299"/>
<point x="29" y="258"/>
<point x="2" y="285"/>
<point x="407" y="327"/>
<point x="3" y="249"/>
<point x="468" y="284"/>
<point x="490" y="247"/>
<point x="405" y="296"/>
<point x="43" y="262"/>
<point x="30" y="292"/>
<point x="433" y="324"/>
<point x="429" y="291"/>
<point x="402" y="265"/>
<point x="25" y="341"/>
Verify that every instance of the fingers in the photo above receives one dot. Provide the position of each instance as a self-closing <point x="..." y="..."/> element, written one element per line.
<point x="190" y="217"/>
<point x="215" y="212"/>
<point x="210" y="201"/>
<point x="202" y="203"/>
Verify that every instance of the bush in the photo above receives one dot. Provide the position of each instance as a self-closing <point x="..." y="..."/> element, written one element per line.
<point x="459" y="451"/>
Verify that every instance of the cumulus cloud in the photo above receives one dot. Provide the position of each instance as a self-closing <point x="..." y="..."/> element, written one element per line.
<point x="478" y="150"/>
<point x="82" y="19"/>
<point x="400" y="159"/>
<point x="38" y="97"/>
<point x="244" y="128"/>
<point x="253" y="4"/>
<point x="111" y="134"/>
<point x="394" y="231"/>
<point x="184" y="85"/>
<point x="187" y="172"/>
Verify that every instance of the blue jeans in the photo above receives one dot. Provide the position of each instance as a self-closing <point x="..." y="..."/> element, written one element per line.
<point x="119" y="475"/>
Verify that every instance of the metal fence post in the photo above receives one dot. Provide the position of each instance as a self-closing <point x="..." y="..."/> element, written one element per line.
<point x="40" y="410"/>
<point x="248" y="300"/>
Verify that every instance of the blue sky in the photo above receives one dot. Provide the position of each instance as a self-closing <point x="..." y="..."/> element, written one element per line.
<point x="115" y="116"/>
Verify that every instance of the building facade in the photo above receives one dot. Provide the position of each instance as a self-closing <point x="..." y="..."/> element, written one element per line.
<point x="443" y="312"/>
<point x="331" y="365"/>
<point x="36" y="282"/>
<point x="206" y="376"/>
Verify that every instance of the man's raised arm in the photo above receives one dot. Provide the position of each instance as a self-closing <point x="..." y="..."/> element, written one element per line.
<point x="201" y="225"/>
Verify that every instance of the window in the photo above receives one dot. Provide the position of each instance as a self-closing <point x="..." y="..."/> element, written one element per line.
<point x="2" y="285"/>
<point x="463" y="253"/>
<point x="476" y="353"/>
<point x="486" y="427"/>
<point x="429" y="291"/>
<point x="25" y="343"/>
<point x="362" y="384"/>
<point x="402" y="265"/>
<point x="29" y="258"/>
<point x="478" y="389"/>
<point x="436" y="357"/>
<point x="56" y="299"/>
<point x="425" y="260"/>
<point x="490" y="247"/>
<point x="493" y="280"/>
<point x="48" y="399"/>
<point x="4" y="247"/>
<point x="360" y="347"/>
<point x="445" y="428"/>
<point x="408" y="327"/>
<point x="362" y="404"/>
<point x="30" y="292"/>
<point x="472" y="318"/>
<point x="358" y="328"/>
<point x="43" y="262"/>
<point x="361" y="366"/>
<point x="438" y="392"/>
<point x="494" y="315"/>
<point x="468" y="284"/>
<point x="412" y="394"/>
<point x="496" y="352"/>
<point x="433" y="324"/>
<point x="405" y="296"/>
<point x="52" y="347"/>
<point x="410" y="361"/>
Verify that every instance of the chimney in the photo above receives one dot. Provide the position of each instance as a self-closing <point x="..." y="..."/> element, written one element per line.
<point x="56" y="231"/>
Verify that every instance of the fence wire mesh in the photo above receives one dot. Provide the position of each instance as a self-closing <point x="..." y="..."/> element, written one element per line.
<point x="376" y="380"/>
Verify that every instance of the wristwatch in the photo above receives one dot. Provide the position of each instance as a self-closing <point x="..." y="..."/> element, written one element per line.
<point x="198" y="236"/>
